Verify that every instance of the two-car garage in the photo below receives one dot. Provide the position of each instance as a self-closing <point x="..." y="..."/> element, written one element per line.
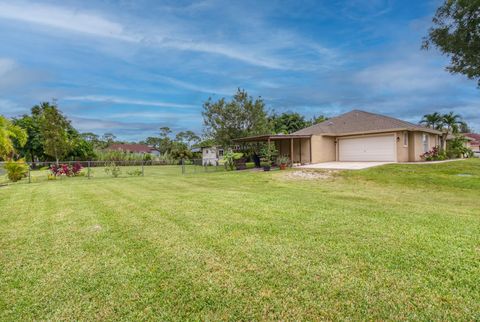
<point x="367" y="148"/>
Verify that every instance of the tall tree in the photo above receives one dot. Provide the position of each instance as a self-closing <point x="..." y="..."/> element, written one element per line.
<point x="165" y="132"/>
<point x="456" y="33"/>
<point x="54" y="128"/>
<point x="288" y="122"/>
<point x="465" y="128"/>
<point x="434" y="121"/>
<point x="240" y="117"/>
<point x="33" y="148"/>
<point x="318" y="119"/>
<point x="108" y="138"/>
<point x="187" y="137"/>
<point x="8" y="133"/>
<point x="452" y="122"/>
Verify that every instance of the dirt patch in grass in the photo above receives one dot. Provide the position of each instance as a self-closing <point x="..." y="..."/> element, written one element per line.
<point x="310" y="175"/>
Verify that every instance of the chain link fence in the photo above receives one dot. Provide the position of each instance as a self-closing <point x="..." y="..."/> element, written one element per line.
<point x="87" y="170"/>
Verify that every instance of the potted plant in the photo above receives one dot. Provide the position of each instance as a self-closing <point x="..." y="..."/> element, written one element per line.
<point x="266" y="165"/>
<point x="282" y="162"/>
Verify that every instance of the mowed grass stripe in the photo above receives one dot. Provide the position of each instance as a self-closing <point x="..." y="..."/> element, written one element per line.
<point x="244" y="246"/>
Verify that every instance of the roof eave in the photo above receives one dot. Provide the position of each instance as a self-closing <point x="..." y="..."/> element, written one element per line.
<point x="382" y="131"/>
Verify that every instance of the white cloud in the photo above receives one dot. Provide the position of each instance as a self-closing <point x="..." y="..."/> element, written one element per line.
<point x="260" y="51"/>
<point x="197" y="88"/>
<point x="72" y="20"/>
<point x="6" y="65"/>
<point x="155" y="115"/>
<point x="120" y="100"/>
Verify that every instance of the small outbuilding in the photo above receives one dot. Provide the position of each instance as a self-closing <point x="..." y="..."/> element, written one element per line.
<point x="211" y="155"/>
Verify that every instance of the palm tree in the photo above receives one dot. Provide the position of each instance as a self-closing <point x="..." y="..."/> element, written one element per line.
<point x="434" y="121"/>
<point x="452" y="122"/>
<point x="8" y="133"/>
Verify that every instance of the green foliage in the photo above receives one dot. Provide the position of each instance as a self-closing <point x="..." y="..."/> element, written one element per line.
<point x="318" y="119"/>
<point x="16" y="170"/>
<point x="180" y="150"/>
<point x="240" y="117"/>
<point x="108" y="139"/>
<point x="456" y="34"/>
<point x="229" y="158"/>
<point x="50" y="135"/>
<point x="116" y="155"/>
<point x="8" y="133"/>
<point x="451" y="122"/>
<point x="456" y="148"/>
<point x="434" y="121"/>
<point x="94" y="140"/>
<point x="135" y="173"/>
<point x="265" y="164"/>
<point x="113" y="169"/>
<point x="33" y="148"/>
<point x="250" y="165"/>
<point x="283" y="159"/>
<point x="287" y="123"/>
<point x="268" y="152"/>
<point x="187" y="137"/>
<point x="80" y="149"/>
<point x="54" y="128"/>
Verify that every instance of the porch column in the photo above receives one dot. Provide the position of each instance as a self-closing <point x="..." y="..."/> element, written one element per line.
<point x="310" y="142"/>
<point x="291" y="150"/>
<point x="300" y="148"/>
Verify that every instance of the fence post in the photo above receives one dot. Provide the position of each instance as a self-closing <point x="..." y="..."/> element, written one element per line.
<point x="183" y="166"/>
<point x="29" y="174"/>
<point x="88" y="169"/>
<point x="143" y="168"/>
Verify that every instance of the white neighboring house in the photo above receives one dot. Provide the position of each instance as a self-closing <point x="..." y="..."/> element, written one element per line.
<point x="211" y="155"/>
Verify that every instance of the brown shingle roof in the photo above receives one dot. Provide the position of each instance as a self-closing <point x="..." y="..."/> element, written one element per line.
<point x="475" y="138"/>
<point x="358" y="121"/>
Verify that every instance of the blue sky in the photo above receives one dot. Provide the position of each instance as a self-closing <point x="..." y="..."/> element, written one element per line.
<point x="132" y="66"/>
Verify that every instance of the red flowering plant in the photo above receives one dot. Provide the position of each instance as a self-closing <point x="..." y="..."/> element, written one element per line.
<point x="434" y="154"/>
<point x="66" y="169"/>
<point x="76" y="169"/>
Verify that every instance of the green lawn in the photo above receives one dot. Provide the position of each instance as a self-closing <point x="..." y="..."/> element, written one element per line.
<point x="393" y="242"/>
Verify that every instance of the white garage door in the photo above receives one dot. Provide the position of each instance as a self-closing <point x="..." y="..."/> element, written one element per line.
<point x="373" y="148"/>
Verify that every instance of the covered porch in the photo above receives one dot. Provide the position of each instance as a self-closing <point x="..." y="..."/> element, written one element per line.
<point x="296" y="147"/>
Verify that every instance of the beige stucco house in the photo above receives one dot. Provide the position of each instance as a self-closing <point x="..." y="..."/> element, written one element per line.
<point x="355" y="136"/>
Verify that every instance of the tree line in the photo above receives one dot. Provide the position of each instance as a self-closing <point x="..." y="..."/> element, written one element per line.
<point x="46" y="134"/>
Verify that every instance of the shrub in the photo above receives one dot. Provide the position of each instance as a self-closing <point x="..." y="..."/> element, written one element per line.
<point x="434" y="154"/>
<point x="66" y="169"/>
<point x="456" y="148"/>
<point x="229" y="158"/>
<point x="135" y="173"/>
<point x="265" y="163"/>
<point x="113" y="169"/>
<point x="268" y="152"/>
<point x="16" y="170"/>
<point x="250" y="165"/>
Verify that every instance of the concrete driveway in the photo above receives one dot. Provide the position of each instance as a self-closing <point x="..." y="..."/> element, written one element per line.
<point x="343" y="165"/>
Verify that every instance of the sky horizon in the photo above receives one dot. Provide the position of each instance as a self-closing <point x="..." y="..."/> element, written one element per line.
<point x="131" y="67"/>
